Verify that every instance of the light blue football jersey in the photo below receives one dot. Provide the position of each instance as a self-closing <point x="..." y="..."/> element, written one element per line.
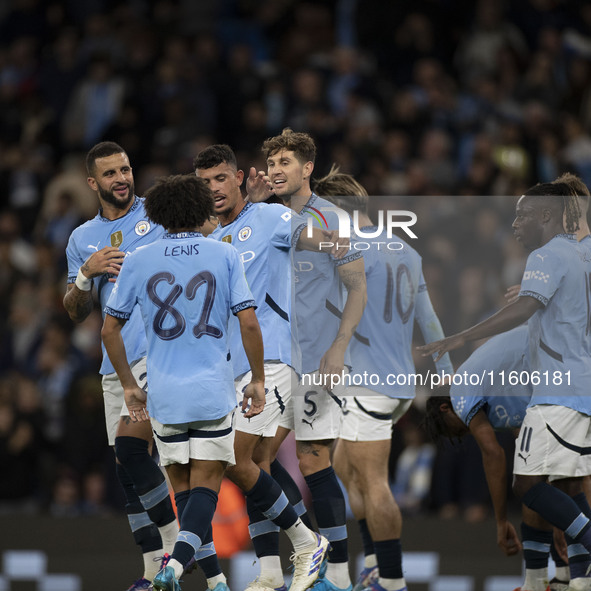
<point x="396" y="294"/>
<point x="129" y="232"/>
<point x="559" y="276"/>
<point x="264" y="234"/>
<point x="186" y="287"/>
<point x="503" y="403"/>
<point x="319" y="297"/>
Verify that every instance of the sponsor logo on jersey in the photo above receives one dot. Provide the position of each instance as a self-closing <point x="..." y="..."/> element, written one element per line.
<point x="227" y="239"/>
<point x="142" y="227"/>
<point x="245" y="233"/>
<point x="117" y="238"/>
<point x="536" y="275"/>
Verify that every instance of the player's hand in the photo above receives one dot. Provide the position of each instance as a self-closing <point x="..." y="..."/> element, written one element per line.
<point x="340" y="246"/>
<point x="560" y="544"/>
<point x="258" y="186"/>
<point x="135" y="400"/>
<point x="441" y="347"/>
<point x="507" y="538"/>
<point x="107" y="260"/>
<point x="255" y="393"/>
<point x="331" y="367"/>
<point x="512" y="293"/>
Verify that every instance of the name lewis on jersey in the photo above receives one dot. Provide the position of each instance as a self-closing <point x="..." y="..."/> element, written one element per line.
<point x="181" y="250"/>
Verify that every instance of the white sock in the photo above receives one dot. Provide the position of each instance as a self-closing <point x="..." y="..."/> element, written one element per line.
<point x="536" y="579"/>
<point x="370" y="561"/>
<point x="300" y="536"/>
<point x="271" y="571"/>
<point x="211" y="583"/>
<point x="152" y="562"/>
<point x="338" y="574"/>
<point x="392" y="584"/>
<point x="169" y="533"/>
<point x="177" y="567"/>
<point x="562" y="573"/>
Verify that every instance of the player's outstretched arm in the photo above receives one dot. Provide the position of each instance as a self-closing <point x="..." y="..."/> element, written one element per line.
<point x="78" y="298"/>
<point x="135" y="397"/>
<point x="352" y="275"/>
<point x="511" y="316"/>
<point x="252" y="341"/>
<point x="494" y="461"/>
<point x="258" y="186"/>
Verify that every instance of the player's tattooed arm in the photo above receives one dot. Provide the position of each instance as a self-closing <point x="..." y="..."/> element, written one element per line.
<point x="78" y="303"/>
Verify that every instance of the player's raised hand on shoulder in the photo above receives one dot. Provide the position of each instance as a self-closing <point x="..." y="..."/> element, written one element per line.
<point x="443" y="346"/>
<point x="255" y="393"/>
<point x="507" y="538"/>
<point x="258" y="186"/>
<point x="135" y="400"/>
<point x="512" y="293"/>
<point x="107" y="260"/>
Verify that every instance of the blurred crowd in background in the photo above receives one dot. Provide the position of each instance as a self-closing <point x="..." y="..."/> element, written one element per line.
<point x="449" y="108"/>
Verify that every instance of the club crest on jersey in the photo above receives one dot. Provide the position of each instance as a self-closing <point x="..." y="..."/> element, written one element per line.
<point x="244" y="234"/>
<point x="142" y="227"/>
<point x="227" y="239"/>
<point x="117" y="238"/>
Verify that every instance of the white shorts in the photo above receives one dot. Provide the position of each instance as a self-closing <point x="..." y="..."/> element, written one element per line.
<point x="114" y="398"/>
<point x="369" y="416"/>
<point x="199" y="440"/>
<point x="550" y="443"/>
<point x="279" y="381"/>
<point x="314" y="414"/>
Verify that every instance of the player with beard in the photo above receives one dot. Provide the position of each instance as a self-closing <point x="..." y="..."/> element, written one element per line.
<point x="95" y="253"/>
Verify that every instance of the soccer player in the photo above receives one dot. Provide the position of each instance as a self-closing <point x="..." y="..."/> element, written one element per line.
<point x="264" y="235"/>
<point x="396" y="296"/>
<point x="555" y="297"/>
<point x="95" y="253"/>
<point x="324" y="328"/>
<point x="186" y="287"/>
<point x="580" y="189"/>
<point x="498" y="402"/>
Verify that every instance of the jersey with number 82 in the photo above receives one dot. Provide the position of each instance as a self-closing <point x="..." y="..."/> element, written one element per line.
<point x="186" y="287"/>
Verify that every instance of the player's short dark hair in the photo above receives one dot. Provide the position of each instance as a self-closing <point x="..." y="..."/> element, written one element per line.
<point x="179" y="201"/>
<point x="343" y="190"/>
<point x="560" y="197"/>
<point x="101" y="150"/>
<point x="301" y="144"/>
<point x="434" y="422"/>
<point x="214" y="156"/>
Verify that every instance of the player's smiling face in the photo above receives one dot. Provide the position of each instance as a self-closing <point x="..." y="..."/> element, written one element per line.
<point x="224" y="181"/>
<point x="527" y="226"/>
<point x="113" y="181"/>
<point x="288" y="175"/>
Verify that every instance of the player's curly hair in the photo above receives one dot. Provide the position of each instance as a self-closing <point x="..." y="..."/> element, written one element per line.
<point x="343" y="190"/>
<point x="568" y="202"/>
<point x="433" y="421"/>
<point x="101" y="150"/>
<point x="179" y="201"/>
<point x="215" y="155"/>
<point x="301" y="144"/>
